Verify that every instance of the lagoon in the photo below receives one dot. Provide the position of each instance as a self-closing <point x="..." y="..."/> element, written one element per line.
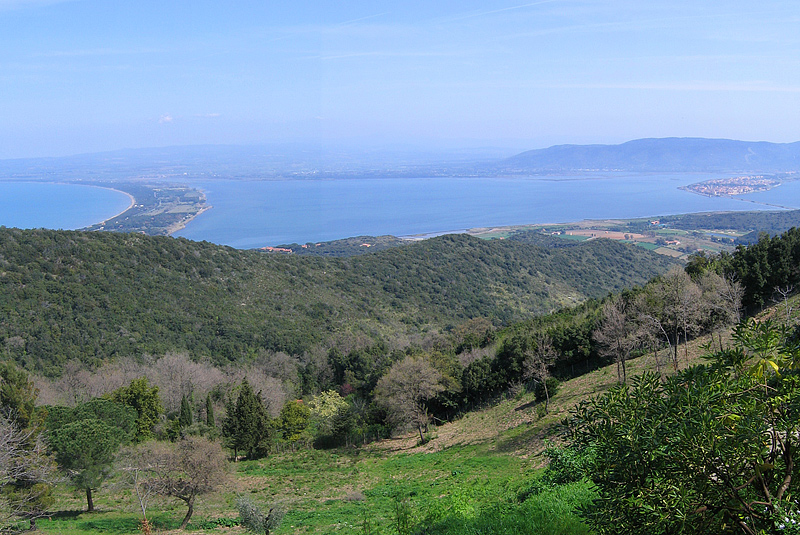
<point x="58" y="206"/>
<point x="248" y="214"/>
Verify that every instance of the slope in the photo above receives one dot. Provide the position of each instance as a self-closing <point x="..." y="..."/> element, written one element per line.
<point x="93" y="296"/>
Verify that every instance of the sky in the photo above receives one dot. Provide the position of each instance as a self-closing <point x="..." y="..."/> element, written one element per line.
<point x="81" y="76"/>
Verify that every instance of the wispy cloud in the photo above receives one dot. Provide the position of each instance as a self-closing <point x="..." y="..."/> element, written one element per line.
<point x="350" y="22"/>
<point x="165" y="119"/>
<point x="501" y="10"/>
<point x="388" y="54"/>
<point x="756" y="87"/>
<point x="96" y="52"/>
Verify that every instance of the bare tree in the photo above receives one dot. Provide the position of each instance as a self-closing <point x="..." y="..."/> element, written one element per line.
<point x="785" y="292"/>
<point x="671" y="306"/>
<point x="405" y="390"/>
<point x="721" y="301"/>
<point x="27" y="474"/>
<point x="617" y="334"/>
<point x="271" y="389"/>
<point x="537" y="362"/>
<point x="178" y="376"/>
<point x="192" y="467"/>
<point x="134" y="462"/>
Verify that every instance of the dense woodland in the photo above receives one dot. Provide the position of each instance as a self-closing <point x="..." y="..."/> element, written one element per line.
<point x="96" y="296"/>
<point x="157" y="359"/>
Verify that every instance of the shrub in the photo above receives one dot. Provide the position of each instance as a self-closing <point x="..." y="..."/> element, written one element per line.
<point x="553" y="385"/>
<point x="255" y="519"/>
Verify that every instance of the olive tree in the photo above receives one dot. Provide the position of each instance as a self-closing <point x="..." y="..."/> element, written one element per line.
<point x="184" y="470"/>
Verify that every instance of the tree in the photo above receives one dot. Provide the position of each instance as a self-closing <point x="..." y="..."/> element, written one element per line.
<point x="293" y="420"/>
<point x="192" y="467"/>
<point x="147" y="403"/>
<point x="616" y="334"/>
<point x="210" y="412"/>
<point x="671" y="306"/>
<point x="721" y="300"/>
<point x="246" y="425"/>
<point x="325" y="408"/>
<point x="538" y="360"/>
<point x="710" y="450"/>
<point x="86" y="438"/>
<point x="185" y="418"/>
<point x="27" y="474"/>
<point x="17" y="395"/>
<point x="405" y="390"/>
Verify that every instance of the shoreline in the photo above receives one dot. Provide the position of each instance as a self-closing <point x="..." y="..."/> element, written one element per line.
<point x="61" y="183"/>
<point x="177" y="227"/>
<point x="130" y="206"/>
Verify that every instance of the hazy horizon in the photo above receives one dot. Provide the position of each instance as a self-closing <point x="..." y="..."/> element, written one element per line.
<point x="85" y="76"/>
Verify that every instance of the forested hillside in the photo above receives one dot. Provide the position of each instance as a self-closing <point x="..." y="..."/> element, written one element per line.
<point x="93" y="296"/>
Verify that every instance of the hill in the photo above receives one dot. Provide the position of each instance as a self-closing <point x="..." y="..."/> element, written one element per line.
<point x="664" y="154"/>
<point x="93" y="296"/>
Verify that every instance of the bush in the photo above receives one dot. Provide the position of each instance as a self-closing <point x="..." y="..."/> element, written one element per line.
<point x="553" y="385"/>
<point x="567" y="464"/>
<point x="254" y="519"/>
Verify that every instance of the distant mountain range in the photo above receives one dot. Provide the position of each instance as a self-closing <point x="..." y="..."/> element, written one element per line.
<point x="664" y="154"/>
<point x="256" y="162"/>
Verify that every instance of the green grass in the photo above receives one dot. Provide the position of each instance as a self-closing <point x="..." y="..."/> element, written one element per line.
<point x="471" y="486"/>
<point x="331" y="491"/>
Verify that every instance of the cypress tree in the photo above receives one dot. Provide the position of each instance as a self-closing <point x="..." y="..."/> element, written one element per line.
<point x="185" y="417"/>
<point x="247" y="423"/>
<point x="209" y="412"/>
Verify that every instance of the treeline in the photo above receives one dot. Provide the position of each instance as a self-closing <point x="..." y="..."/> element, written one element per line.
<point x="90" y="297"/>
<point x="355" y="246"/>
<point x="769" y="270"/>
<point x="771" y="222"/>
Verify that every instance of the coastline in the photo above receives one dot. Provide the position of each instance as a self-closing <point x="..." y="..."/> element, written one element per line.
<point x="131" y="205"/>
<point x="176" y="227"/>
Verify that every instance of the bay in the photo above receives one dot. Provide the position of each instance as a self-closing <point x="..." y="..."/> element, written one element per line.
<point x="57" y="206"/>
<point x="248" y="214"/>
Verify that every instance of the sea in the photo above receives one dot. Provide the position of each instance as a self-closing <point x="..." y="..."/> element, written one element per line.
<point x="58" y="206"/>
<point x="250" y="214"/>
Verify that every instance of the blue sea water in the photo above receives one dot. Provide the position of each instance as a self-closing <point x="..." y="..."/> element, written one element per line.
<point x="248" y="214"/>
<point x="57" y="206"/>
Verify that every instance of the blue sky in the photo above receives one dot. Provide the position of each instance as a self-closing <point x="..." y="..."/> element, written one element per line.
<point x="88" y="75"/>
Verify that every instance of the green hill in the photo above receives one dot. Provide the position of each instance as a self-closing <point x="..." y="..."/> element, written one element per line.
<point x="92" y="296"/>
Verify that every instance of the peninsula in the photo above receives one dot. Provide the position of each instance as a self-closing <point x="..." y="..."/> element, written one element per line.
<point x="156" y="209"/>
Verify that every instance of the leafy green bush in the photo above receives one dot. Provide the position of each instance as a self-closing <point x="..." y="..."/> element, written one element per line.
<point x="568" y="464"/>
